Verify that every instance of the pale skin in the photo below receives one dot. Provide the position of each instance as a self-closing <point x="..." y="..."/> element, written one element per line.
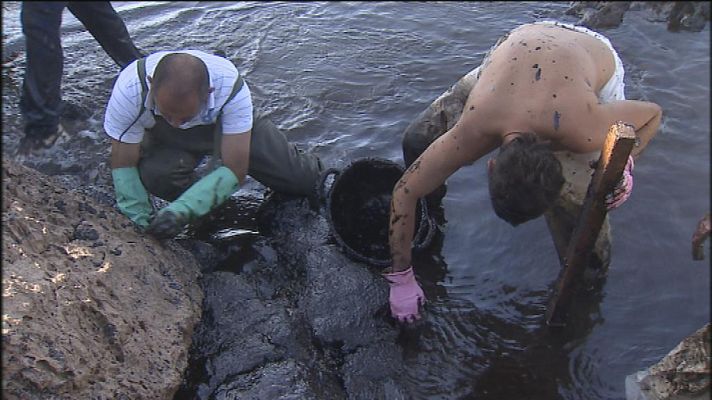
<point x="542" y="79"/>
<point x="235" y="148"/>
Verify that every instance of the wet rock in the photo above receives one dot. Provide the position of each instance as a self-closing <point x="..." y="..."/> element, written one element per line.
<point x="206" y="255"/>
<point x="599" y="14"/>
<point x="247" y="341"/>
<point x="81" y="319"/>
<point x="281" y="380"/>
<point x="342" y="300"/>
<point x="682" y="374"/>
<point x="85" y="231"/>
<point x="374" y="372"/>
<point x="297" y="319"/>
<point x="679" y="15"/>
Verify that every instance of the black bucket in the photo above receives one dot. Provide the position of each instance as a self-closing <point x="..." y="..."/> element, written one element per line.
<point x="358" y="206"/>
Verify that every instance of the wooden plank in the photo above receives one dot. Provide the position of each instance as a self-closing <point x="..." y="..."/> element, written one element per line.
<point x="614" y="156"/>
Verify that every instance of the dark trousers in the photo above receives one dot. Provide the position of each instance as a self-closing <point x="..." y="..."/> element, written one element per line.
<point x="40" y="102"/>
<point x="169" y="157"/>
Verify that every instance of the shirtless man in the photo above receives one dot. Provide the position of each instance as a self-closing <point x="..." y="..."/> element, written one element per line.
<point x="544" y="87"/>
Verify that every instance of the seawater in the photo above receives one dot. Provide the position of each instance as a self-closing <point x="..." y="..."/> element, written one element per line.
<point x="346" y="78"/>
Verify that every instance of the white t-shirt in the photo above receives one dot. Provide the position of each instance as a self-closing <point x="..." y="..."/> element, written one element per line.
<point x="125" y="101"/>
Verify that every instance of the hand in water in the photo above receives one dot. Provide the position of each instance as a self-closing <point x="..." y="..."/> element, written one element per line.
<point x="405" y="296"/>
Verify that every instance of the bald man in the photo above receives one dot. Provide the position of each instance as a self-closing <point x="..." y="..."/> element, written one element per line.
<point x="167" y="112"/>
<point x="544" y="87"/>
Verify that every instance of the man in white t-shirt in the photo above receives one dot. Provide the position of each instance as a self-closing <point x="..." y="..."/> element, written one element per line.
<point x="167" y="112"/>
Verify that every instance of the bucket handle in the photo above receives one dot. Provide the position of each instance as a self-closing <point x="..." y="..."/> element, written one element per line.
<point x="426" y="230"/>
<point x="320" y="189"/>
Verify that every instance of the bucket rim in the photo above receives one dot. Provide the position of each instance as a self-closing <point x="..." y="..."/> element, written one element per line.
<point x="421" y="238"/>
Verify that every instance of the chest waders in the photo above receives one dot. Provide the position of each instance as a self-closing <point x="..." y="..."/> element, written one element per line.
<point x="170" y="155"/>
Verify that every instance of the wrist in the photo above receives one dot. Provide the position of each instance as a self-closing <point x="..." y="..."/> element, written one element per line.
<point x="204" y="195"/>
<point x="398" y="270"/>
<point x="178" y="208"/>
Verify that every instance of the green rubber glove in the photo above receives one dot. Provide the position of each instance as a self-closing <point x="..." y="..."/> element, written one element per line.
<point x="131" y="196"/>
<point x="205" y="194"/>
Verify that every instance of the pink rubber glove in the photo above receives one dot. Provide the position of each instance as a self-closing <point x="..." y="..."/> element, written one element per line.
<point x="624" y="187"/>
<point x="405" y="295"/>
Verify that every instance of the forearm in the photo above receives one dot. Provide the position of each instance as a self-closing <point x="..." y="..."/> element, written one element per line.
<point x="236" y="154"/>
<point x="401" y="228"/>
<point x="646" y="132"/>
<point x="205" y="195"/>
<point x="124" y="154"/>
<point x="131" y="196"/>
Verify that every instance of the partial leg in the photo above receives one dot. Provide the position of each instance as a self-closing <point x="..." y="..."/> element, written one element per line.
<point x="278" y="164"/>
<point x="40" y="102"/>
<point x="168" y="172"/>
<point x="102" y="21"/>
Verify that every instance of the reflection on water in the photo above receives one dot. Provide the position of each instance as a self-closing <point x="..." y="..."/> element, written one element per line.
<point x="346" y="79"/>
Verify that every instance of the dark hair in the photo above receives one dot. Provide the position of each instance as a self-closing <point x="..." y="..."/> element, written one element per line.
<point x="182" y="74"/>
<point x="525" y="179"/>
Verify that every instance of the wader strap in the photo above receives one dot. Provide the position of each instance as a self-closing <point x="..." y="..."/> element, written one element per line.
<point x="141" y="66"/>
<point x="141" y="69"/>
<point x="217" y="133"/>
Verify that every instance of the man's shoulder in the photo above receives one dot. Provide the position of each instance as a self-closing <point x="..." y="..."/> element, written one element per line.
<point x="128" y="78"/>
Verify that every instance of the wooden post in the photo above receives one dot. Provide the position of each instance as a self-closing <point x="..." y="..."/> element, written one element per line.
<point x="614" y="156"/>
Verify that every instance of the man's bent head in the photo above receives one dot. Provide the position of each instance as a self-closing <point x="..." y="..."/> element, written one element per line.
<point x="180" y="86"/>
<point x="524" y="180"/>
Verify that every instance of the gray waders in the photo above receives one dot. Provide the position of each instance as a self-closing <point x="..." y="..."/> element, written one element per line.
<point x="433" y="122"/>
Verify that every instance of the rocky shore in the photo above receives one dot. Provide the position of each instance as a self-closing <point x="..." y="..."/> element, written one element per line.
<point x="678" y="15"/>
<point x="91" y="308"/>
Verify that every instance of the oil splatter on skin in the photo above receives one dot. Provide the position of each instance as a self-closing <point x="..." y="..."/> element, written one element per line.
<point x="557" y="117"/>
<point x="410" y="170"/>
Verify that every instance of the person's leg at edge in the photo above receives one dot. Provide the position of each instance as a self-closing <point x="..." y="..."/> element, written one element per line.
<point x="107" y="27"/>
<point x="40" y="102"/>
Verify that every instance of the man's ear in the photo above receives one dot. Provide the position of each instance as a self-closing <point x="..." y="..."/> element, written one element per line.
<point x="210" y="90"/>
